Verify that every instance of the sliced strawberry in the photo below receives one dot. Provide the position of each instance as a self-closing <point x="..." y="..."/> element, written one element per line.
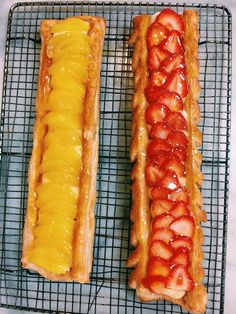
<point x="153" y="174"/>
<point x="156" y="112"/>
<point x="181" y="241"/>
<point x="158" y="266"/>
<point x="164" y="234"/>
<point x="155" y="34"/>
<point x="161" y="157"/>
<point x="180" y="257"/>
<point x="169" y="181"/>
<point x="161" y="249"/>
<point x="160" y="193"/>
<point x="171" y="20"/>
<point x="157" y="145"/>
<point x="153" y="92"/>
<point x="180" y="195"/>
<point x="173" y="163"/>
<point x="172" y="42"/>
<point x="180" y="279"/>
<point x="179" y="209"/>
<point x="181" y="152"/>
<point x="177" y="138"/>
<point x="159" y="130"/>
<point x="158" y="78"/>
<point x="172" y="100"/>
<point x="176" y="82"/>
<point x="173" y="62"/>
<point x="153" y="59"/>
<point x="155" y="283"/>
<point x="176" y="121"/>
<point x="183" y="225"/>
<point x="162" y="221"/>
<point x="160" y="206"/>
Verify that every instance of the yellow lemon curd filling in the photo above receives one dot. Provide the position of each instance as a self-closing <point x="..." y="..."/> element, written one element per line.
<point x="58" y="190"/>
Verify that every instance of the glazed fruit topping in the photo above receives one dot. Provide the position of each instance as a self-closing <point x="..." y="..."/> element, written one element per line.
<point x="183" y="226"/>
<point x="160" y="206"/>
<point x="176" y="121"/>
<point x="158" y="266"/>
<point x="161" y="249"/>
<point x="164" y="234"/>
<point x="158" y="77"/>
<point x="180" y="279"/>
<point x="172" y="43"/>
<point x="162" y="221"/>
<point x="176" y="82"/>
<point x="173" y="62"/>
<point x="171" y="20"/>
<point x="156" y="112"/>
<point x="182" y="241"/>
<point x="160" y="130"/>
<point x="156" y="146"/>
<point x="155" y="34"/>
<point x="172" y="225"/>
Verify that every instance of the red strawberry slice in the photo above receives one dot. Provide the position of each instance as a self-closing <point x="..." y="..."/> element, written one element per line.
<point x="158" y="78"/>
<point x="181" y="241"/>
<point x="155" y="283"/>
<point x="155" y="34"/>
<point x="173" y="62"/>
<point x="172" y="43"/>
<point x="153" y="174"/>
<point x="173" y="163"/>
<point x="183" y="225"/>
<point x="180" y="257"/>
<point x="156" y="112"/>
<point x="160" y="206"/>
<point x="176" y="121"/>
<point x="176" y="82"/>
<point x="157" y="145"/>
<point x="171" y="20"/>
<point x="160" y="193"/>
<point x="153" y="92"/>
<point x="172" y="100"/>
<point x="179" y="209"/>
<point x="180" y="279"/>
<point x="155" y="56"/>
<point x="169" y="181"/>
<point x="158" y="266"/>
<point x="161" y="249"/>
<point x="177" y="138"/>
<point x="164" y="234"/>
<point x="180" y="195"/>
<point x="181" y="152"/>
<point x="162" y="221"/>
<point x="159" y="130"/>
<point x="161" y="157"/>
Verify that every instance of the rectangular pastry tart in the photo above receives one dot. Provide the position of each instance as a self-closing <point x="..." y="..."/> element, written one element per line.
<point x="166" y="200"/>
<point x="59" y="227"/>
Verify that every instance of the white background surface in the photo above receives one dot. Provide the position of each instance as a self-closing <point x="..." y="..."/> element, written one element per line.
<point x="230" y="292"/>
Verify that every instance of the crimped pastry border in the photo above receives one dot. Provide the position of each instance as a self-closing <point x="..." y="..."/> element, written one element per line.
<point x="84" y="227"/>
<point x="194" y="301"/>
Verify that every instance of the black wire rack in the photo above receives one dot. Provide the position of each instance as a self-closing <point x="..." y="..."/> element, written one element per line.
<point x="108" y="291"/>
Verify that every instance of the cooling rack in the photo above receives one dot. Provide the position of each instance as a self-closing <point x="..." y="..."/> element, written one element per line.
<point x="108" y="291"/>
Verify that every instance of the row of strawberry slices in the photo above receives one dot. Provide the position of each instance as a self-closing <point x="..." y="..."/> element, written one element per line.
<point x="172" y="225"/>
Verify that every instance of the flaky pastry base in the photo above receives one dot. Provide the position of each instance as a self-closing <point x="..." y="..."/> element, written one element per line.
<point x="83" y="237"/>
<point x="194" y="301"/>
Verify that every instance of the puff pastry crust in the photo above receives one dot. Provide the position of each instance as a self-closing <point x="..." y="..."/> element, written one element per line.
<point x="194" y="301"/>
<point x="83" y="237"/>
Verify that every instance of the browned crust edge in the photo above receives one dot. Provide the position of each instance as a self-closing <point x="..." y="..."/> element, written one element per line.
<point x="194" y="301"/>
<point x="84" y="228"/>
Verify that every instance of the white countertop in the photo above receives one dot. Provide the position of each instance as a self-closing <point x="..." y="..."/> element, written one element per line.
<point x="230" y="296"/>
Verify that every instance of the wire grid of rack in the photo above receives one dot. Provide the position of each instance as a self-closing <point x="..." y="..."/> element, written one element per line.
<point x="108" y="291"/>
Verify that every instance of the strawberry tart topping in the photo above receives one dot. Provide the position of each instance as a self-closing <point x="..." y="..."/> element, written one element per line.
<point x="172" y="225"/>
